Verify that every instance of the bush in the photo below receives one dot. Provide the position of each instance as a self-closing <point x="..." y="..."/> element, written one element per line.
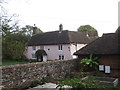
<point x="78" y="83"/>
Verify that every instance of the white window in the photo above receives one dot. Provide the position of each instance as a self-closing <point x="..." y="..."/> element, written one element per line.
<point x="107" y="69"/>
<point x="33" y="56"/>
<point x="69" y="48"/>
<point x="59" y="47"/>
<point x="33" y="47"/>
<point x="61" y="57"/>
<point x="42" y="47"/>
<point x="101" y="67"/>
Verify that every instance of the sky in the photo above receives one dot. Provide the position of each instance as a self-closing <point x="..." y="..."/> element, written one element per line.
<point x="48" y="14"/>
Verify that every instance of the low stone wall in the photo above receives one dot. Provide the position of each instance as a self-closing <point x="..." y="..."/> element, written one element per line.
<point x="18" y="75"/>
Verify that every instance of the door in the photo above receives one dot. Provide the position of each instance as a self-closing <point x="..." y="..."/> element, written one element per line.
<point x="40" y="59"/>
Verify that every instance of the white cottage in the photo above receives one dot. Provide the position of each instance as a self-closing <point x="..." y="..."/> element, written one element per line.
<point x="56" y="45"/>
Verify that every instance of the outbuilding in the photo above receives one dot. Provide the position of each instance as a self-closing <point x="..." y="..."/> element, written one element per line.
<point x="107" y="48"/>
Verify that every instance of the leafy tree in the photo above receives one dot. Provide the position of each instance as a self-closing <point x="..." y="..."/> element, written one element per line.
<point x="29" y="30"/>
<point x="9" y="25"/>
<point x="87" y="29"/>
<point x="14" y="46"/>
<point x="13" y="40"/>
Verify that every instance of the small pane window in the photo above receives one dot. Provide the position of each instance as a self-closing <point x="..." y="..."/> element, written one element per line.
<point x="33" y="56"/>
<point x="33" y="47"/>
<point x="101" y="67"/>
<point x="107" y="69"/>
<point x="59" y="47"/>
<point x="61" y="57"/>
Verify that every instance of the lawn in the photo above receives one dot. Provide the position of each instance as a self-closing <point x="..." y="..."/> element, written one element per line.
<point x="12" y="62"/>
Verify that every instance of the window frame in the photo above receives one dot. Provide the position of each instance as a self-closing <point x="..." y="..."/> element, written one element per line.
<point x="33" y="56"/>
<point x="60" y="47"/>
<point x="61" y="57"/>
<point x="101" y="67"/>
<point x="107" y="69"/>
<point x="34" y="48"/>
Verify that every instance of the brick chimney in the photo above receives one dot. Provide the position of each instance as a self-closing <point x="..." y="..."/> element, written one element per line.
<point x="60" y="28"/>
<point x="34" y="29"/>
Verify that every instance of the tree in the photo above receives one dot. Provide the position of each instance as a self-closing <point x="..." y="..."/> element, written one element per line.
<point x="29" y="30"/>
<point x="9" y="25"/>
<point x="87" y="29"/>
<point x="14" y="46"/>
<point x="13" y="40"/>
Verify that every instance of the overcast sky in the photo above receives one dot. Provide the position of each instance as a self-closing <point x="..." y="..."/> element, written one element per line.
<point x="48" y="14"/>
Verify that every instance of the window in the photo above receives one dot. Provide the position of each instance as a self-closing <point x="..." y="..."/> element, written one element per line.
<point x="69" y="48"/>
<point x="42" y="47"/>
<point x="107" y="69"/>
<point x="33" y="47"/>
<point x="59" y="47"/>
<point x="61" y="57"/>
<point x="101" y="67"/>
<point x="33" y="56"/>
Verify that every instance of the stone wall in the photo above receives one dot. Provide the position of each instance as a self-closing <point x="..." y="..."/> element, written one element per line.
<point x="18" y="75"/>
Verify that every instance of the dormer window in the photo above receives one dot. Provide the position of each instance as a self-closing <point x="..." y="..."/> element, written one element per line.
<point x="33" y="47"/>
<point x="60" y="47"/>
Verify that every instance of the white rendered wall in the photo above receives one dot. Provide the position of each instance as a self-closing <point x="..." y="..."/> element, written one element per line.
<point x="53" y="52"/>
<point x="74" y="48"/>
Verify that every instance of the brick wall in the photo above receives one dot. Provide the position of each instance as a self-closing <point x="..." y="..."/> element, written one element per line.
<point x="18" y="75"/>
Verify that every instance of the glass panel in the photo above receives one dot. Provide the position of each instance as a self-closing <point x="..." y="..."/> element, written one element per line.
<point x="33" y="47"/>
<point x="59" y="57"/>
<point x="33" y="56"/>
<point x="62" y="57"/>
<point x="59" y="47"/>
<point x="107" y="69"/>
<point x="101" y="67"/>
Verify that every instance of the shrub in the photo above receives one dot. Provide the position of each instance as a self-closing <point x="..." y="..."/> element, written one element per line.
<point x="90" y="62"/>
<point x="78" y="83"/>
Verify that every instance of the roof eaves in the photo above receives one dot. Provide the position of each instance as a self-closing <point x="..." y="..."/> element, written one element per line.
<point x="77" y="52"/>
